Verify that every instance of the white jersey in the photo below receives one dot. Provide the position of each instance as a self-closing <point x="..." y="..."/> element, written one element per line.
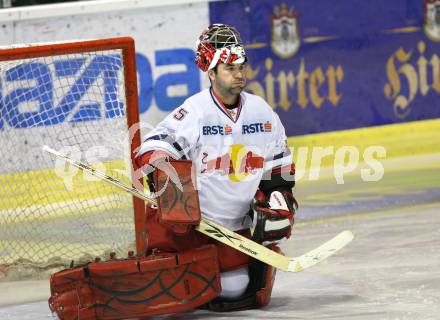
<point x="230" y="150"/>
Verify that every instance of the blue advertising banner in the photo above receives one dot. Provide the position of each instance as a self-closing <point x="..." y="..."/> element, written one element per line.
<point x="330" y="65"/>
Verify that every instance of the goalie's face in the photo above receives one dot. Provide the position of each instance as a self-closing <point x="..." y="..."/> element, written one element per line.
<point x="228" y="80"/>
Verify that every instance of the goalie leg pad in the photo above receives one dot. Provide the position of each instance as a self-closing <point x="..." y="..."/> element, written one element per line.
<point x="138" y="287"/>
<point x="258" y="293"/>
<point x="160" y="237"/>
<point x="231" y="259"/>
<point x="264" y="279"/>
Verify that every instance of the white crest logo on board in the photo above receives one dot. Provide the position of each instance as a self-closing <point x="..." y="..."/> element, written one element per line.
<point x="285" y="38"/>
<point x="432" y="19"/>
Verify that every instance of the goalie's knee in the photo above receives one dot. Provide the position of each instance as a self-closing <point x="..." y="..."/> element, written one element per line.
<point x="234" y="283"/>
<point x="258" y="292"/>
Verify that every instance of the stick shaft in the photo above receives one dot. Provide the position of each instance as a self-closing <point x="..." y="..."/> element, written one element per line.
<point x="101" y="175"/>
<point x="228" y="237"/>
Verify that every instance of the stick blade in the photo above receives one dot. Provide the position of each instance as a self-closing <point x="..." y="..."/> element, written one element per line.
<point x="321" y="253"/>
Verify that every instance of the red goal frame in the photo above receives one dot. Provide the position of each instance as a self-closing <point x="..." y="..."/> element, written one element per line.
<point x="127" y="46"/>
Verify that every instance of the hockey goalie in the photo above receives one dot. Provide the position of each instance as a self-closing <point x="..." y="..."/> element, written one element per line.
<point x="222" y="155"/>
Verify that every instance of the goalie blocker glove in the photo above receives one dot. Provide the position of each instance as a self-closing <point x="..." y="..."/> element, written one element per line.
<point x="273" y="215"/>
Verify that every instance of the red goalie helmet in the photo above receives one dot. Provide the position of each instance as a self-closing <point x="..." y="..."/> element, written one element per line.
<point x="219" y="43"/>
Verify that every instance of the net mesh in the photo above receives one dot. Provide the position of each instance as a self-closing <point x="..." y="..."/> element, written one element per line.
<point x="50" y="217"/>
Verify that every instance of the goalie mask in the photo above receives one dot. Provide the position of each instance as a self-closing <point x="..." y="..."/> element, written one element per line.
<point x="219" y="43"/>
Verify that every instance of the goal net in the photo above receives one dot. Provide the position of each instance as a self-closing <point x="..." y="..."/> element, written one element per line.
<point x="79" y="98"/>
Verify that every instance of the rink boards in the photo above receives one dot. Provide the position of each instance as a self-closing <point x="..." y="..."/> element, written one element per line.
<point x="399" y="140"/>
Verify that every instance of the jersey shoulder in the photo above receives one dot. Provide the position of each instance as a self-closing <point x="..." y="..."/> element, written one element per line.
<point x="198" y="101"/>
<point x="191" y="109"/>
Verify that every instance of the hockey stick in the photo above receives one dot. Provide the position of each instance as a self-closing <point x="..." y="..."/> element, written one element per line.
<point x="230" y="238"/>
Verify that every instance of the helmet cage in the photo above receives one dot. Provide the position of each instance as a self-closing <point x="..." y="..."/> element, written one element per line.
<point x="219" y="43"/>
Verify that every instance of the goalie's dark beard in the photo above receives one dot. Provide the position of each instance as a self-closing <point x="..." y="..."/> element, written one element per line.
<point x="233" y="90"/>
<point x="236" y="90"/>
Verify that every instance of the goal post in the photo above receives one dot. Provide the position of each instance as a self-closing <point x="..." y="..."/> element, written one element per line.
<point x="80" y="97"/>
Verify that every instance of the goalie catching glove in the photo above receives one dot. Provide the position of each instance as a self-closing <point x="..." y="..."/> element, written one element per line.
<point x="273" y="216"/>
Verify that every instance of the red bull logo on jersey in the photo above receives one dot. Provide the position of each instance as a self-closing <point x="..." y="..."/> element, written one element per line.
<point x="256" y="128"/>
<point x="237" y="164"/>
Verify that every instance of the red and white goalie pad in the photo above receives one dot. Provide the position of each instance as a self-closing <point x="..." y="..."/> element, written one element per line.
<point x="137" y="287"/>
